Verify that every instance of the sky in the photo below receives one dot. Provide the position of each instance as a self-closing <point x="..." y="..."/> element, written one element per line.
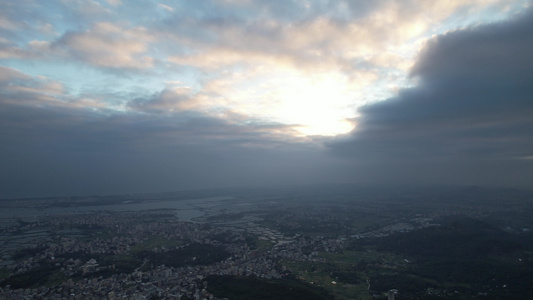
<point x="111" y="96"/>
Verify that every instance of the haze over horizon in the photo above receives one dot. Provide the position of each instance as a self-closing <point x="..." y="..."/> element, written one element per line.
<point x="105" y="97"/>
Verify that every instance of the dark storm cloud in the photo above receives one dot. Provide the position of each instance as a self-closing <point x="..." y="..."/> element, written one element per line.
<point x="472" y="110"/>
<point x="53" y="146"/>
<point x="469" y="117"/>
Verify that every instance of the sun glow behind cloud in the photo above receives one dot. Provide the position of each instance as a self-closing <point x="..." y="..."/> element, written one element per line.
<point x="312" y="104"/>
<point x="163" y="94"/>
<point x="308" y="66"/>
<point x="318" y="104"/>
<point x="314" y="75"/>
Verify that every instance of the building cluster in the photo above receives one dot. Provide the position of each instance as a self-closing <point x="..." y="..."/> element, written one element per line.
<point x="161" y="281"/>
<point x="74" y="256"/>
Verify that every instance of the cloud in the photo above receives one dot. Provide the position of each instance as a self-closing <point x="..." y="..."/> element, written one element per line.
<point x="21" y="89"/>
<point x="85" y="11"/>
<point x="55" y="144"/>
<point x="364" y="46"/>
<point x="114" y="2"/>
<point x="110" y="46"/>
<point x="166" y="7"/>
<point x="7" y="74"/>
<point x="7" y="23"/>
<point x="57" y="152"/>
<point x="309" y="33"/>
<point x="471" y="110"/>
<point x="171" y="99"/>
<point x="252" y="75"/>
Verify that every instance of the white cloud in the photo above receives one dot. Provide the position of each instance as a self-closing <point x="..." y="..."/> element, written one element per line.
<point x="114" y="2"/>
<point x="166" y="7"/>
<point x="264" y="65"/>
<point x="374" y="51"/>
<point x="109" y="45"/>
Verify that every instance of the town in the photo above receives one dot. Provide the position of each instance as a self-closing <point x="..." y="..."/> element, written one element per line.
<point x="339" y="248"/>
<point x="128" y="233"/>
